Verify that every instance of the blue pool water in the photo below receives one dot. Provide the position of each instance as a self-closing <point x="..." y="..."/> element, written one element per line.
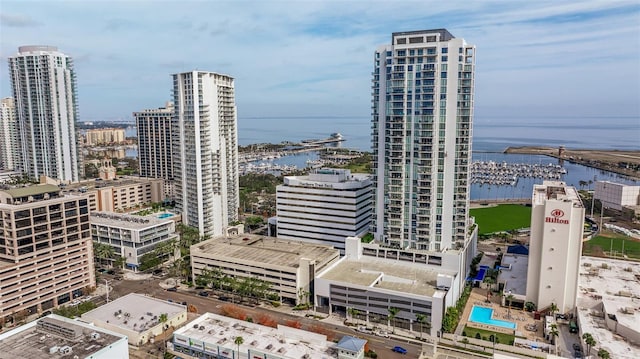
<point x="483" y="315"/>
<point x="165" y="215"/>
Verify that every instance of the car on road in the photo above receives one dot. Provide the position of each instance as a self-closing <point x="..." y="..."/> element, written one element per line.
<point x="224" y="299"/>
<point x="577" y="346"/>
<point x="382" y="333"/>
<point x="102" y="270"/>
<point x="363" y="329"/>
<point x="111" y="272"/>
<point x="577" y="354"/>
<point x="172" y="289"/>
<point x="203" y="294"/>
<point x="399" y="349"/>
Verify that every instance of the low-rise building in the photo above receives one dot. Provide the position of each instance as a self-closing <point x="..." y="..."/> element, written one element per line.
<point x="55" y="336"/>
<point x="132" y="236"/>
<point x="607" y="305"/>
<point x="137" y="316"/>
<point x="46" y="252"/>
<point x="617" y="195"/>
<point x="288" y="266"/>
<point x="213" y="336"/>
<point x="373" y="279"/>
<point x="324" y="207"/>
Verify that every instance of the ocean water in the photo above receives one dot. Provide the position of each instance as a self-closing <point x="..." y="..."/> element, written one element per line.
<point x="490" y="139"/>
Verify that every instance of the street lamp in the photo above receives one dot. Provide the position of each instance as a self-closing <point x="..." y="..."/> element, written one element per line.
<point x="593" y="195"/>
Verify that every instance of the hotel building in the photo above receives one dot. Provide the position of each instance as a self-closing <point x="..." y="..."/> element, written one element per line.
<point x="9" y="135"/>
<point x="104" y="136"/>
<point x="55" y="336"/>
<point x="46" y="252"/>
<point x="324" y="207"/>
<point x="132" y="236"/>
<point x="423" y="93"/>
<point x="555" y="247"/>
<point x="288" y="266"/>
<point x="205" y="151"/>
<point x="155" y="146"/>
<point x="44" y="88"/>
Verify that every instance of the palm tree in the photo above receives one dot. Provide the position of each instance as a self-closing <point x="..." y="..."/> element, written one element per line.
<point x="163" y="319"/>
<point x="420" y="318"/>
<point x="392" y="316"/>
<point x="465" y="341"/>
<point x="604" y="354"/>
<point x="509" y="299"/>
<point x="588" y="339"/>
<point x="490" y="282"/>
<point x="238" y="341"/>
<point x="553" y="308"/>
<point x="554" y="333"/>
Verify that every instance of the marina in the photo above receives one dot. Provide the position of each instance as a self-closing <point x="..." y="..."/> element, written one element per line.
<point x="508" y="174"/>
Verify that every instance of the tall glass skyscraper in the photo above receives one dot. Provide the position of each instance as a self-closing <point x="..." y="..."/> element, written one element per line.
<point x="423" y="92"/>
<point x="44" y="88"/>
<point x="205" y="150"/>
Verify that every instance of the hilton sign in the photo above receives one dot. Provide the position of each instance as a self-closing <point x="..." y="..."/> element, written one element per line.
<point x="556" y="217"/>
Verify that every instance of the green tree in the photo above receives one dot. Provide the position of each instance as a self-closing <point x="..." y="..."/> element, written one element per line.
<point x="421" y="319"/>
<point x="393" y="312"/>
<point x="465" y="341"/>
<point x="509" y="298"/>
<point x="604" y="354"/>
<point x="238" y="341"/>
<point x="588" y="339"/>
<point x="163" y="319"/>
<point x="553" y="308"/>
<point x="553" y="332"/>
<point x="103" y="251"/>
<point x="450" y="320"/>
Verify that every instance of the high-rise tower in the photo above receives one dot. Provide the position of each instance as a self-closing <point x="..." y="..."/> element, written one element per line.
<point x="205" y="150"/>
<point x="423" y="86"/>
<point x="44" y="87"/>
<point x="155" y="145"/>
<point x="9" y="136"/>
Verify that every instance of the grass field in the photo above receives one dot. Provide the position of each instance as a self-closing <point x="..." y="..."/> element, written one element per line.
<point x="503" y="217"/>
<point x="612" y="241"/>
<point x="502" y="337"/>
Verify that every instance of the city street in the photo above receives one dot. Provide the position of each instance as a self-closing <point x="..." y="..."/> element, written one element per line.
<point x="152" y="287"/>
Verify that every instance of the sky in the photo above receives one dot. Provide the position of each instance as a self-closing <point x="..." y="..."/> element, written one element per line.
<point x="537" y="59"/>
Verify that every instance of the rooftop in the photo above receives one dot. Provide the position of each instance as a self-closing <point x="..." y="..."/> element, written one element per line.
<point x="388" y="274"/>
<point x="514" y="273"/>
<point x="134" y="312"/>
<point x="555" y="190"/>
<point x="95" y="184"/>
<point x="126" y="220"/>
<point x="266" y="250"/>
<point x="32" y="190"/>
<point x="283" y="342"/>
<point x="612" y="285"/>
<point x="38" y="339"/>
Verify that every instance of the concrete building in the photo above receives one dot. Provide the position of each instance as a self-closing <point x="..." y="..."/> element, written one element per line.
<point x="512" y="278"/>
<point x="46" y="252"/>
<point x="104" y="136"/>
<point x="43" y="82"/>
<point x="213" y="336"/>
<point x="607" y="306"/>
<point x="55" y="336"/>
<point x="138" y="317"/>
<point x="372" y="279"/>
<point x="155" y="145"/>
<point x="205" y="151"/>
<point x="9" y="135"/>
<point x="324" y="207"/>
<point x="422" y="116"/>
<point x="132" y="236"/>
<point x="617" y="195"/>
<point x="555" y="247"/>
<point x="123" y="194"/>
<point x="288" y="266"/>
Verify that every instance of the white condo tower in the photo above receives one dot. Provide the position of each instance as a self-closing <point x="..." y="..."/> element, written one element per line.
<point x="423" y="93"/>
<point x="205" y="150"/>
<point x="44" y="88"/>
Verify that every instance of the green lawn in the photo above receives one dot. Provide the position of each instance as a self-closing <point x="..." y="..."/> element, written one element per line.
<point x="604" y="243"/>
<point x="503" y="217"/>
<point x="502" y="337"/>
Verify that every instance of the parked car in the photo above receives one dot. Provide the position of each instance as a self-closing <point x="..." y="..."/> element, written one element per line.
<point x="382" y="333"/>
<point x="172" y="289"/>
<point x="184" y="303"/>
<point x="577" y="354"/>
<point x="363" y="329"/>
<point x="399" y="349"/>
<point x="203" y="294"/>
<point x="577" y="346"/>
<point x="224" y="299"/>
<point x="111" y="272"/>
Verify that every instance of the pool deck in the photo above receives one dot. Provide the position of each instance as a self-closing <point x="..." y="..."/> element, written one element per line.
<point x="522" y="318"/>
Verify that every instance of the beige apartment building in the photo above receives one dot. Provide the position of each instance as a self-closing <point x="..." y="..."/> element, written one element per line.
<point x="104" y="136"/>
<point x="123" y="194"/>
<point x="46" y="252"/>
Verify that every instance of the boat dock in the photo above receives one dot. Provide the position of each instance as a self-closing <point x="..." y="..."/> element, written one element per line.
<point x="507" y="174"/>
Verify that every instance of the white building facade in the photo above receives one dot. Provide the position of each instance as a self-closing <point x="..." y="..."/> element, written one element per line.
<point x="9" y="135"/>
<point x="131" y="236"/>
<point x="205" y="150"/>
<point x="324" y="207"/>
<point x="155" y="145"/>
<point x="557" y="223"/>
<point x="617" y="195"/>
<point x="423" y="88"/>
<point x="43" y="81"/>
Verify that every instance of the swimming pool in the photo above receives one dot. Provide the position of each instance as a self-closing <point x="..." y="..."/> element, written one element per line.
<point x="165" y="215"/>
<point x="483" y="315"/>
